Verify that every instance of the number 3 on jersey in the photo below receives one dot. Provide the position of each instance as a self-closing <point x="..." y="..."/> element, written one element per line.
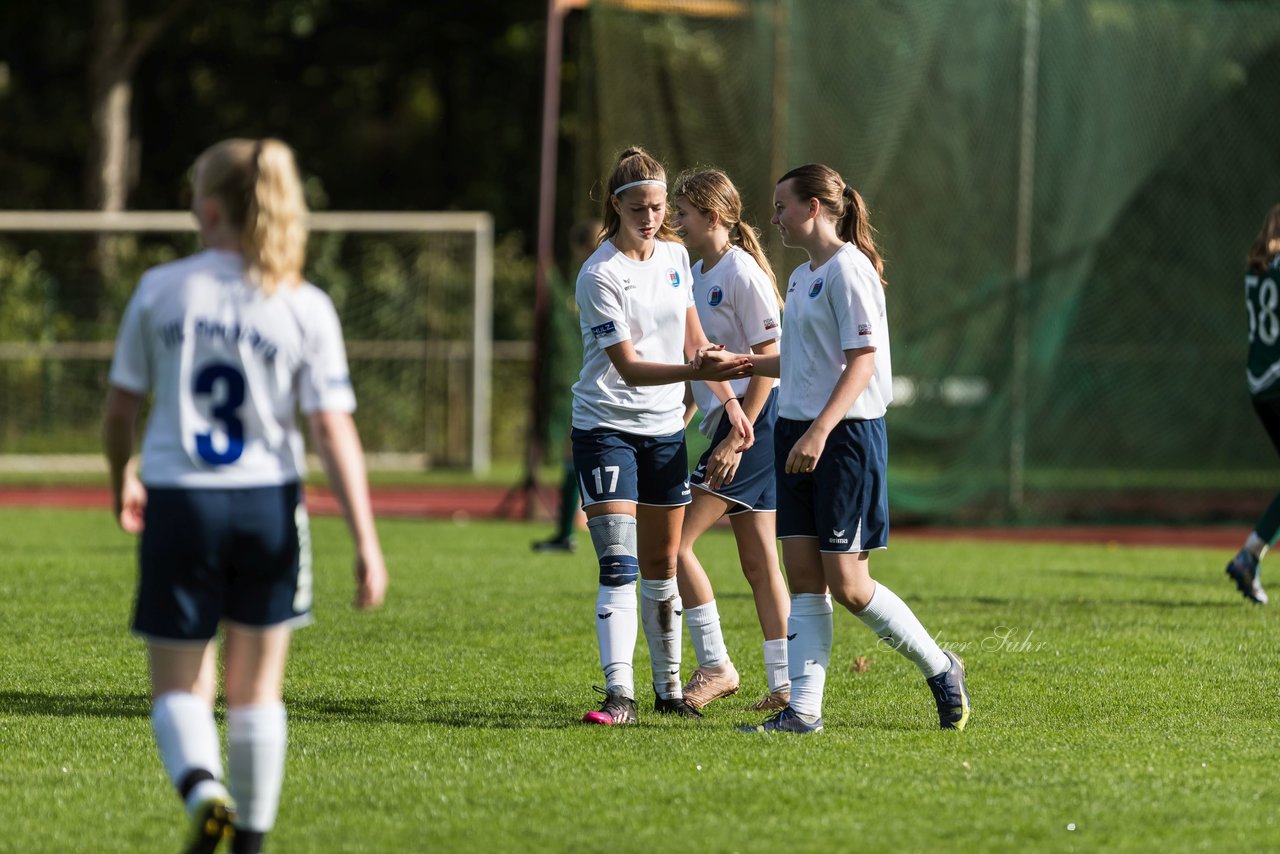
<point x="224" y="384"/>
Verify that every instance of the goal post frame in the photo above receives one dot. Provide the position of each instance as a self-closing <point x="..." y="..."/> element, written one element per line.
<point x="478" y="223"/>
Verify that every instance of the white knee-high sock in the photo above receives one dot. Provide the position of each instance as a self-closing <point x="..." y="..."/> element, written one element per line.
<point x="660" y="612"/>
<point x="616" y="629"/>
<point x="775" y="665"/>
<point x="256" y="741"/>
<point x="614" y="537"/>
<point x="704" y="632"/>
<point x="897" y="626"/>
<point x="189" y="746"/>
<point x="809" y="631"/>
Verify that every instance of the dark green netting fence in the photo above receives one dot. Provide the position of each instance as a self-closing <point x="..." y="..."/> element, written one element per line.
<point x="1064" y="192"/>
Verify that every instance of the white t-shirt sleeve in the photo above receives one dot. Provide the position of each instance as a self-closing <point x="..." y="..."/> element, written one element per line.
<point x="324" y="383"/>
<point x="756" y="306"/>
<point x="602" y="308"/>
<point x="130" y="364"/>
<point x="854" y="308"/>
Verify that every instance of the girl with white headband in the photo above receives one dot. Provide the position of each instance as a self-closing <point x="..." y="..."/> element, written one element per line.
<point x="641" y="342"/>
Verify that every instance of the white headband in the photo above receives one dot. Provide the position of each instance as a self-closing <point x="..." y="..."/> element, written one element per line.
<point x="662" y="184"/>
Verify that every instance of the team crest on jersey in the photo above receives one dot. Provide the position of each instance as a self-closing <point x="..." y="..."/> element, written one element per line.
<point x="673" y="276"/>
<point x="715" y="296"/>
<point x="815" y="288"/>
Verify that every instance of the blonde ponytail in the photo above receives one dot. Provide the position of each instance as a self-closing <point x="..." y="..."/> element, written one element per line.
<point x="258" y="186"/>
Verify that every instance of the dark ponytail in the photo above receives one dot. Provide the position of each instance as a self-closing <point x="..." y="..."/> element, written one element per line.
<point x="842" y="204"/>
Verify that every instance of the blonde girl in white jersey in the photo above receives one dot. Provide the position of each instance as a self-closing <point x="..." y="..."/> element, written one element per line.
<point x="229" y="343"/>
<point x="641" y="342"/>
<point x="831" y="454"/>
<point x="739" y="305"/>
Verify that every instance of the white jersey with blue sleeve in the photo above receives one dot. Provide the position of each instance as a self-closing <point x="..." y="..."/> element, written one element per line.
<point x="738" y="307"/>
<point x="839" y="306"/>
<point x="645" y="302"/>
<point x="227" y="367"/>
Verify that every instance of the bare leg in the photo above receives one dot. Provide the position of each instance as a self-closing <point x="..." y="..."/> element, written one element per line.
<point x="758" y="553"/>
<point x="705" y="511"/>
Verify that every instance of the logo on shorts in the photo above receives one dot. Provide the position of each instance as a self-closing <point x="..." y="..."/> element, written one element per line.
<point x="815" y="288"/>
<point x="715" y="296"/>
<point x="673" y="276"/>
<point x="604" y="329"/>
<point x="838" y="537"/>
<point x="864" y="328"/>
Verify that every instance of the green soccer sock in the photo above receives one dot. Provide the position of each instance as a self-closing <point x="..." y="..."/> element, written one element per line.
<point x="1269" y="524"/>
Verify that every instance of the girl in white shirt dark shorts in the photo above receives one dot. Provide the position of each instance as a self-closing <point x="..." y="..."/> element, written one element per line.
<point x="641" y="342"/>
<point x="830" y="450"/>
<point x="740" y="308"/>
<point x="229" y="344"/>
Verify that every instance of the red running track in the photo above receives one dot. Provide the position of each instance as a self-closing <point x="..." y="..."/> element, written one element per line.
<point x="511" y="503"/>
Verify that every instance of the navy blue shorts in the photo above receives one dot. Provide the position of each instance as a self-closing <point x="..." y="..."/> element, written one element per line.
<point x="844" y="502"/>
<point x="207" y="555"/>
<point x="617" y="466"/>
<point x="754" y="486"/>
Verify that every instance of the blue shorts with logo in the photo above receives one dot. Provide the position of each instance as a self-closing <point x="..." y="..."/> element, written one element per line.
<point x="208" y="555"/>
<point x="617" y="466"/>
<point x="754" y="486"/>
<point x="844" y="502"/>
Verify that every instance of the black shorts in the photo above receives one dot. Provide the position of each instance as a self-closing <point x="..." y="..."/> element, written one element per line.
<point x="207" y="555"/>
<point x="844" y="502"/>
<point x="1269" y="413"/>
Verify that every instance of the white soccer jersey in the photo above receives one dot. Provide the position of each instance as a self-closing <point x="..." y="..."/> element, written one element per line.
<point x="227" y="366"/>
<point x="738" y="308"/>
<point x="840" y="306"/>
<point x="645" y="302"/>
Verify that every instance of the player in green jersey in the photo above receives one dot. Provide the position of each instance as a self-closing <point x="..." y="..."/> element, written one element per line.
<point x="1262" y="299"/>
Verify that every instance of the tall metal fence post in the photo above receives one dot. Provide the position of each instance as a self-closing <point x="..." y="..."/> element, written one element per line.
<point x="1020" y="379"/>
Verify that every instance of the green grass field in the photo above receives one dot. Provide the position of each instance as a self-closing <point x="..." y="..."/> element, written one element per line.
<point x="1124" y="700"/>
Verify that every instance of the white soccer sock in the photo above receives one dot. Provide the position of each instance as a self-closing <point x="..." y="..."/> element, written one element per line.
<point x="256" y="741"/>
<point x="704" y="632"/>
<point x="897" y="625"/>
<point x="809" y="650"/>
<point x="660" y="613"/>
<point x="188" y="740"/>
<point x="775" y="665"/>
<point x="616" y="630"/>
<point x="1255" y="545"/>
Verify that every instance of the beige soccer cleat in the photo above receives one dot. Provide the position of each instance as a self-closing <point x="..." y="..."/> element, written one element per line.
<point x="771" y="702"/>
<point x="707" y="684"/>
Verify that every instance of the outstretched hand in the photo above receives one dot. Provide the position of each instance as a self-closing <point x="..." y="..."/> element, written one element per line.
<point x="717" y="364"/>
